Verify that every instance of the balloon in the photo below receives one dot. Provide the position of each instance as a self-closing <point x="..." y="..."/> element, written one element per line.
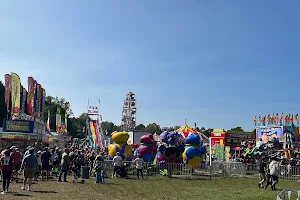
<point x="147" y="149"/>
<point x="166" y="153"/>
<point x="194" y="151"/>
<point x="120" y="145"/>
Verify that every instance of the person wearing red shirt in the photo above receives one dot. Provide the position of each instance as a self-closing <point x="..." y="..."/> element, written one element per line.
<point x="17" y="158"/>
<point x="7" y="169"/>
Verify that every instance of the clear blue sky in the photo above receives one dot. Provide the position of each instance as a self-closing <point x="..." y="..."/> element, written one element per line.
<point x="215" y="63"/>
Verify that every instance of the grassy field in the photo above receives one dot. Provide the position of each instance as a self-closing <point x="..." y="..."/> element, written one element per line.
<point x="152" y="188"/>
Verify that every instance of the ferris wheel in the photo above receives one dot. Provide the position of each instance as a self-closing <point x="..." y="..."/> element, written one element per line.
<point x="129" y="113"/>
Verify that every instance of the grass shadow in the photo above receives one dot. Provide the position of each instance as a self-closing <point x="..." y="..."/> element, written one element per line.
<point x="19" y="194"/>
<point x="44" y="192"/>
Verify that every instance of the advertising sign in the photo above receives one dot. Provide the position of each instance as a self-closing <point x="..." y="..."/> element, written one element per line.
<point x="35" y="137"/>
<point x="18" y="126"/>
<point x="93" y="110"/>
<point x="14" y="136"/>
<point x="266" y="134"/>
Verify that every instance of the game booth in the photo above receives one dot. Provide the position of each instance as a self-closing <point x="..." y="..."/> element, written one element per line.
<point x="22" y="133"/>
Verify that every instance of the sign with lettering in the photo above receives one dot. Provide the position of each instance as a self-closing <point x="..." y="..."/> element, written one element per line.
<point x="14" y="136"/>
<point x="35" y="137"/>
<point x="213" y="134"/>
<point x="18" y="126"/>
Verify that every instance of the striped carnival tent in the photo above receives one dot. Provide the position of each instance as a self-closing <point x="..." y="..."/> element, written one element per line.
<point x="185" y="131"/>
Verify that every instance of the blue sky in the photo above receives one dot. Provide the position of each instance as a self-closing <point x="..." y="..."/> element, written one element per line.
<point x="217" y="63"/>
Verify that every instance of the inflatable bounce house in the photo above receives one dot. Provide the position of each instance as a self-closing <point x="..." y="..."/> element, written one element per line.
<point x="194" y="153"/>
<point x="147" y="149"/>
<point x="120" y="145"/>
<point x="168" y="150"/>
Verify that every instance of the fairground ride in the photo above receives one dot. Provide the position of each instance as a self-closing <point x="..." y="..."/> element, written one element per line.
<point x="129" y="113"/>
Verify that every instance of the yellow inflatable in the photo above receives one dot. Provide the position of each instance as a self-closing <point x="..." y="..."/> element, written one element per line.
<point x="120" y="145"/>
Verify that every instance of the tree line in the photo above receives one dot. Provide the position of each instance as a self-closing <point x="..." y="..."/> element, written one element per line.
<point x="77" y="125"/>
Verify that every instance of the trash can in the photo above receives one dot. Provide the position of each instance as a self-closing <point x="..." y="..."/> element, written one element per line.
<point x="85" y="172"/>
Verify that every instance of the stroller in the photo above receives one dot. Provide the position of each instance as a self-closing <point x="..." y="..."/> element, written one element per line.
<point x="122" y="172"/>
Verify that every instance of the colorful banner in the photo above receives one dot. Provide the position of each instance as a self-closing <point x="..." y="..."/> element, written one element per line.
<point x="265" y="134"/>
<point x="48" y="121"/>
<point x="21" y="100"/>
<point x="7" y="78"/>
<point x="39" y="89"/>
<point x="43" y="103"/>
<point x="30" y="96"/>
<point x="35" y="99"/>
<point x="58" y="120"/>
<point x="15" y="95"/>
<point x="24" y="100"/>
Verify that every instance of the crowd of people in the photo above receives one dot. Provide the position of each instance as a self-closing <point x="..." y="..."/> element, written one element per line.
<point x="56" y="163"/>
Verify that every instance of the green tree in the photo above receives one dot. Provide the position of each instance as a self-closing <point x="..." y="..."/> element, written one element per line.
<point x="109" y="127"/>
<point x="206" y="132"/>
<point x="236" y="130"/>
<point x="140" y="127"/>
<point x="153" y="128"/>
<point x="52" y="103"/>
<point x="77" y="126"/>
<point x="3" y="110"/>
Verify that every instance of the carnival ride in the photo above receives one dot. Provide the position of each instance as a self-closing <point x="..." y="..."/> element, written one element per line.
<point x="129" y="113"/>
<point x="94" y="129"/>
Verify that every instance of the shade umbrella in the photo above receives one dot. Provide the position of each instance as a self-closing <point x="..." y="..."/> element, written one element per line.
<point x="185" y="131"/>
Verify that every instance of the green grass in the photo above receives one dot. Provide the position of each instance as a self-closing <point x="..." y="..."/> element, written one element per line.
<point x="152" y="188"/>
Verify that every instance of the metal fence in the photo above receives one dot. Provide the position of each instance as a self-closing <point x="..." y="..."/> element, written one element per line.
<point x="289" y="195"/>
<point x="217" y="169"/>
<point x="180" y="170"/>
<point x="286" y="172"/>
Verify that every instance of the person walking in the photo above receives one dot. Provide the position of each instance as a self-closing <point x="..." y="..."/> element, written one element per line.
<point x="274" y="172"/>
<point x="99" y="169"/>
<point x="64" y="165"/>
<point x="17" y="158"/>
<point x="139" y="166"/>
<point x="117" y="162"/>
<point x="29" y="165"/>
<point x="262" y="172"/>
<point x="7" y="169"/>
<point x="46" y="159"/>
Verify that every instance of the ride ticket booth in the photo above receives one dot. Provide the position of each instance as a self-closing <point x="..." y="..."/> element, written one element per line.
<point x="217" y="144"/>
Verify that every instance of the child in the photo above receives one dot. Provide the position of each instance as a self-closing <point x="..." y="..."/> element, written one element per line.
<point x="99" y="170"/>
<point x="55" y="165"/>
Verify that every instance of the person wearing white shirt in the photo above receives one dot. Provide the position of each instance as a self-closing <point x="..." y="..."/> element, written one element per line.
<point x="274" y="172"/>
<point x="117" y="162"/>
<point x="139" y="166"/>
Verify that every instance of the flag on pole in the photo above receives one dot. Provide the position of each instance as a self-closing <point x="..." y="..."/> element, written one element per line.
<point x="66" y="122"/>
<point x="48" y="121"/>
<point x="297" y="118"/>
<point x="58" y="120"/>
<point x="281" y="119"/>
